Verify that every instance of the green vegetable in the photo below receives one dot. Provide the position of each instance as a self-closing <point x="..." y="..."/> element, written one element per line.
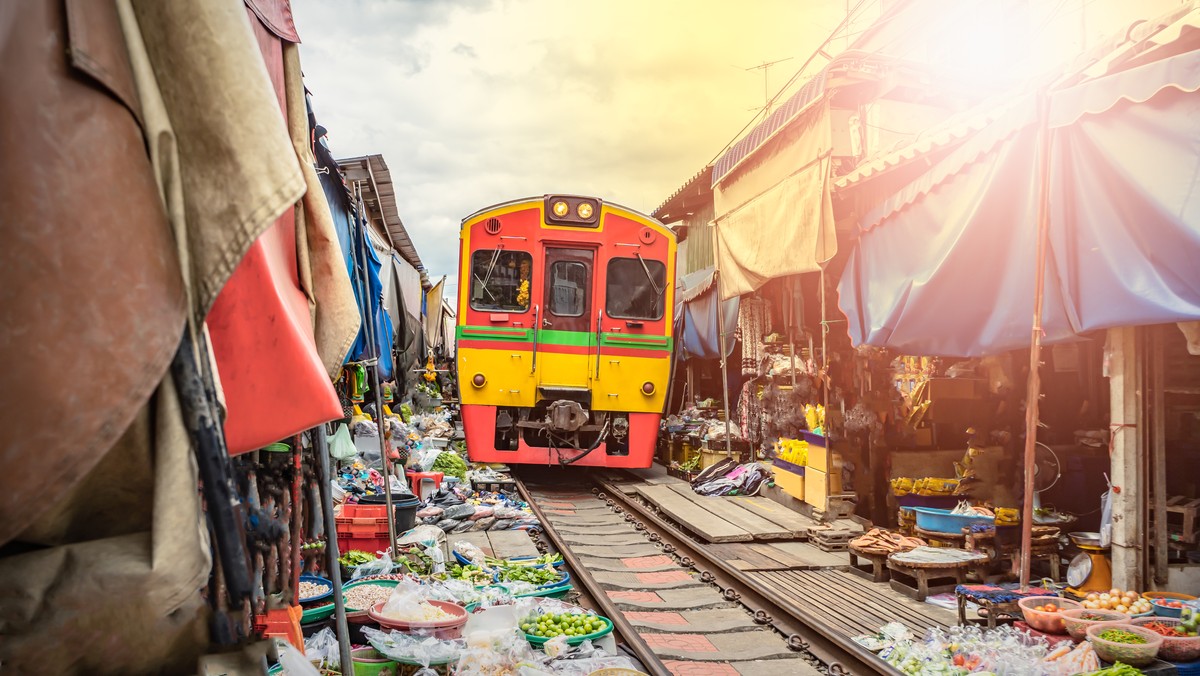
<point x="1122" y="636"/>
<point x="550" y="625"/>
<point x="470" y="573"/>
<point x="451" y="464"/>
<point x="538" y="575"/>
<point x="355" y="557"/>
<point x="1117" y="669"/>
<point x="406" y="413"/>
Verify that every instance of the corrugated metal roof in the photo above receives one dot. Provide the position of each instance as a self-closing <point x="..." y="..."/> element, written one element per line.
<point x="954" y="130"/>
<point x="796" y="104"/>
<point x="681" y="202"/>
<point x="371" y="171"/>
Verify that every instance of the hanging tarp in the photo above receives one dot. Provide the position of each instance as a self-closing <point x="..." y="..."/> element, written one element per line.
<point x="774" y="213"/>
<point x="433" y="315"/>
<point x="696" y="317"/>
<point x="1125" y="213"/>
<point x="945" y="266"/>
<point x="380" y="345"/>
<point x="261" y="322"/>
<point x="409" y="279"/>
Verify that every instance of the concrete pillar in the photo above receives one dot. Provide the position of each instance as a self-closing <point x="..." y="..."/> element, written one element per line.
<point x="1128" y="485"/>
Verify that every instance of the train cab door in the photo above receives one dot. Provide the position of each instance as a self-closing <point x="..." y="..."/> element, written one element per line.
<point x="567" y="322"/>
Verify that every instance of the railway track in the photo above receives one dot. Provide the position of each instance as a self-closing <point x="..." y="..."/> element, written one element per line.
<point x="679" y="609"/>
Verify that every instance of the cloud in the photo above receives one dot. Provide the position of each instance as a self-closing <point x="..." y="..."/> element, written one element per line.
<point x="474" y="102"/>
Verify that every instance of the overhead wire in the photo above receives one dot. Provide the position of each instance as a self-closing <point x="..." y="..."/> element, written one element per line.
<point x="845" y="22"/>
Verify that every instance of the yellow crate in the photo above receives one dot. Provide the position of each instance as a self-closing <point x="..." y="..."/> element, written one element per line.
<point x="820" y="459"/>
<point x="818" y="486"/>
<point x="790" y="482"/>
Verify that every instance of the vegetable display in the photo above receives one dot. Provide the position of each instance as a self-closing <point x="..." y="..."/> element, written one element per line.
<point x="1117" y="669"/>
<point x="1128" y="602"/>
<point x="470" y="573"/>
<point x="451" y="464"/>
<point x="537" y="575"/>
<point x="355" y="557"/>
<point x="550" y="625"/>
<point x="1122" y="636"/>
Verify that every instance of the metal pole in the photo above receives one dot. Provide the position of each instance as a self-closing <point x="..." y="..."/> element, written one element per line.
<point x="321" y="448"/>
<point x="1035" y="346"/>
<point x="369" y="328"/>
<point x="824" y="352"/>
<point x="721" y="341"/>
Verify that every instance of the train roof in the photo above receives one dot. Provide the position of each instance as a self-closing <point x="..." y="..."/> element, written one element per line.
<point x="537" y="198"/>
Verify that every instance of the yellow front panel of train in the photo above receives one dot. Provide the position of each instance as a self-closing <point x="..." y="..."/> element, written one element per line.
<point x="619" y="387"/>
<point x="508" y="377"/>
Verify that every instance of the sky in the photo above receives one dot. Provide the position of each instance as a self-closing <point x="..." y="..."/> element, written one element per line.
<point x="474" y="102"/>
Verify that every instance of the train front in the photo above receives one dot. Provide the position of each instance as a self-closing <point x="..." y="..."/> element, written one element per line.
<point x="564" y="332"/>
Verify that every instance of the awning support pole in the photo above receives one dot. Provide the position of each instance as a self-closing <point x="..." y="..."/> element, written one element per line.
<point x="1035" y="345"/>
<point x="320" y="445"/>
<point x="721" y="342"/>
<point x="369" y="329"/>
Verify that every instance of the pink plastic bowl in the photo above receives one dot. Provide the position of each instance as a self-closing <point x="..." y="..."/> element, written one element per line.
<point x="443" y="629"/>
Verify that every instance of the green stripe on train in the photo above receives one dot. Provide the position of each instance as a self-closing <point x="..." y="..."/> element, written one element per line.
<point x="569" y="338"/>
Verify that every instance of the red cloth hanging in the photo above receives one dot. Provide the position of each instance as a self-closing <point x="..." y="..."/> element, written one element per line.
<point x="262" y="336"/>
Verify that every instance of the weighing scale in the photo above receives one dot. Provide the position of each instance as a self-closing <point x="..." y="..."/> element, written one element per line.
<point x="1091" y="570"/>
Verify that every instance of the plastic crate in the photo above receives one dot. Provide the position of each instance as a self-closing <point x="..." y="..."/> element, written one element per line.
<point x="362" y="522"/>
<point x="371" y="545"/>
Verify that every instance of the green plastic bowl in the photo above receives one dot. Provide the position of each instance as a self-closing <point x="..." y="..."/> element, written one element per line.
<point x="352" y="585"/>
<point x="576" y="640"/>
<point x="317" y="613"/>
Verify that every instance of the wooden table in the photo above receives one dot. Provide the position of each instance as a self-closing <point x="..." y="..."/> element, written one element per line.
<point x="924" y="564"/>
<point x="875" y="569"/>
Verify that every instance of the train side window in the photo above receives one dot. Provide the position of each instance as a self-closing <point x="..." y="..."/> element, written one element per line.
<point x="500" y="280"/>
<point x="568" y="288"/>
<point x="636" y="288"/>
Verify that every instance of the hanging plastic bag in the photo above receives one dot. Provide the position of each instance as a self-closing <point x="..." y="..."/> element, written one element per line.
<point x="381" y="566"/>
<point x="341" y="446"/>
<point x="322" y="649"/>
<point x="1106" y="516"/>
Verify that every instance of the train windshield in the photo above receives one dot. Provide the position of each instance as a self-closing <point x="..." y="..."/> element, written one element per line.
<point x="636" y="288"/>
<point x="500" y="280"/>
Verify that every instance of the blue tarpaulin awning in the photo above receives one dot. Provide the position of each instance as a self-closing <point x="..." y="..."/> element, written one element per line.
<point x="946" y="265"/>
<point x="696" y="317"/>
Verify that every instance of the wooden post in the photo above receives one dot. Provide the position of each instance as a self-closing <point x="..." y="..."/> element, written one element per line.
<point x="1158" y="449"/>
<point x="721" y="344"/>
<point x="1034" y="392"/>
<point x="1124" y="408"/>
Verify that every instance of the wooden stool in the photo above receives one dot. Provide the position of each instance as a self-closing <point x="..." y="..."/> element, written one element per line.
<point x="924" y="564"/>
<point x="1008" y="609"/>
<point x="874" y="570"/>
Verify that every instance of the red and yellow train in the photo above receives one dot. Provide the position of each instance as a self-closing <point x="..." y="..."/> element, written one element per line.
<point x="564" y="332"/>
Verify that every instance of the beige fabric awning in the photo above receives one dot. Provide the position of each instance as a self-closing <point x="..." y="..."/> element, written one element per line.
<point x="774" y="212"/>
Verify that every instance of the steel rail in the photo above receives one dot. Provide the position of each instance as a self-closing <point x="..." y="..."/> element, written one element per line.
<point x="842" y="655"/>
<point x="608" y="608"/>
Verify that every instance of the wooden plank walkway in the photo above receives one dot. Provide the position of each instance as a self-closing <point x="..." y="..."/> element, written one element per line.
<point x="723" y="507"/>
<point x="692" y="516"/>
<point x="848" y="604"/>
<point x="797" y="523"/>
<point x="500" y="544"/>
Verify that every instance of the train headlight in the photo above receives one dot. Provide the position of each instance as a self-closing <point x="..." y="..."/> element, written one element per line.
<point x="647" y="388"/>
<point x="478" y="380"/>
<point x="561" y="208"/>
<point x="584" y="210"/>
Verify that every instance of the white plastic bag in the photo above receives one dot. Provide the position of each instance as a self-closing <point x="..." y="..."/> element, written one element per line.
<point x="341" y="446"/>
<point x="381" y="566"/>
<point x="1106" y="516"/>
<point x="322" y="649"/>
